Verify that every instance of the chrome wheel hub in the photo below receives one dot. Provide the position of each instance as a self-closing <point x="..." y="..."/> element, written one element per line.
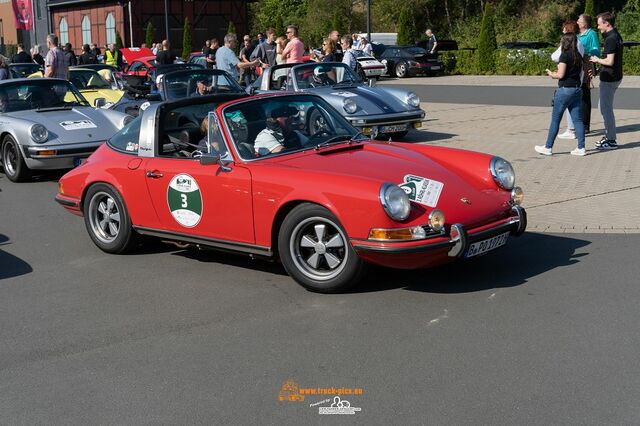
<point x="318" y="248"/>
<point x="104" y="217"/>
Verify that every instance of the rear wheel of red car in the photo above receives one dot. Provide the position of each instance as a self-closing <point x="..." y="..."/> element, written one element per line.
<point x="316" y="252"/>
<point x="107" y="219"/>
<point x="401" y="70"/>
<point x="13" y="162"/>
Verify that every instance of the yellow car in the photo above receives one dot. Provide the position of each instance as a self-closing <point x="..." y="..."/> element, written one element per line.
<point x="93" y="86"/>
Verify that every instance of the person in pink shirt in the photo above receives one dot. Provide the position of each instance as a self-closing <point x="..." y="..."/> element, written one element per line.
<point x="294" y="49"/>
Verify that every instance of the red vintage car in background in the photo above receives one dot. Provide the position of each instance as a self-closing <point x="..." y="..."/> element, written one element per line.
<point x="285" y="176"/>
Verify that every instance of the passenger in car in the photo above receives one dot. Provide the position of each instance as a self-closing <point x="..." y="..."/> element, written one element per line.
<point x="280" y="132"/>
<point x="215" y="145"/>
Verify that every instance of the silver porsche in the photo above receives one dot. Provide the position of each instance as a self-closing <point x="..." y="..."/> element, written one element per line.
<point x="373" y="110"/>
<point x="47" y="124"/>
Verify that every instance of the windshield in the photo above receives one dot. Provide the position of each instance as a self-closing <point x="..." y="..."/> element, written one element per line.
<point x="328" y="74"/>
<point x="199" y="83"/>
<point x="415" y="51"/>
<point x="24" y="70"/>
<point x="87" y="79"/>
<point x="39" y="94"/>
<point x="284" y="124"/>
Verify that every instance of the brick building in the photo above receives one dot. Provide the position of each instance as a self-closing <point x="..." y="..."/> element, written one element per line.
<point x="89" y="21"/>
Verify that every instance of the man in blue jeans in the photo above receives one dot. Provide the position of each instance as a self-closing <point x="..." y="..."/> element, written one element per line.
<point x="610" y="77"/>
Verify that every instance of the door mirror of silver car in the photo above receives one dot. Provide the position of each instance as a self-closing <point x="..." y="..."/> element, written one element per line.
<point x="99" y="102"/>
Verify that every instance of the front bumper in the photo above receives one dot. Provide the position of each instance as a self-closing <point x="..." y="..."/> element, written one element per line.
<point x="441" y="248"/>
<point x="57" y="156"/>
<point x="361" y="121"/>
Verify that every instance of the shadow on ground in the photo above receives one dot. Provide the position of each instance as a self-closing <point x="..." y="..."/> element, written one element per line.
<point x="521" y="259"/>
<point x="10" y="265"/>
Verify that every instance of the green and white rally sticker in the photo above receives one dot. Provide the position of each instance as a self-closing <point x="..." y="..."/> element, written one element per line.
<point x="185" y="200"/>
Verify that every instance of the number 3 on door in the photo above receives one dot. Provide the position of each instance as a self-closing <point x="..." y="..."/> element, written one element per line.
<point x="184" y="200"/>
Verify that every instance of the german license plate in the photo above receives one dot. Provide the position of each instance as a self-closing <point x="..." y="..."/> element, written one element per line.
<point x="394" y="128"/>
<point x="489" y="244"/>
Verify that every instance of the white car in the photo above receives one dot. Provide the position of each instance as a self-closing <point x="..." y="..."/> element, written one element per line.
<point x="372" y="67"/>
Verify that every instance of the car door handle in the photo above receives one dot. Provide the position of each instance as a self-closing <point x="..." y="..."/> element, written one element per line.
<point x="154" y="175"/>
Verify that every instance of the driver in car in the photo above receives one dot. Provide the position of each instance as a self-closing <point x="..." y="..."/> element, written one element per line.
<point x="281" y="132"/>
<point x="321" y="76"/>
<point x="201" y="88"/>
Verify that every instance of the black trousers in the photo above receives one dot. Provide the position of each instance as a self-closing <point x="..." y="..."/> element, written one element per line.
<point x="586" y="105"/>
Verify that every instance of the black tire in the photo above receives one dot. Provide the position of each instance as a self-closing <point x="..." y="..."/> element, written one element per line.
<point x="107" y="220"/>
<point x="13" y="163"/>
<point x="316" y="252"/>
<point x="401" y="70"/>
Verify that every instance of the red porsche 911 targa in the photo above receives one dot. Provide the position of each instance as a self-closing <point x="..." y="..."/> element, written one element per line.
<point x="286" y="177"/>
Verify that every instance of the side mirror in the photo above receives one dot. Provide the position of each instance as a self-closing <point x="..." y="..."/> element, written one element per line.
<point x="99" y="102"/>
<point x="372" y="82"/>
<point x="208" y="159"/>
<point x="251" y="90"/>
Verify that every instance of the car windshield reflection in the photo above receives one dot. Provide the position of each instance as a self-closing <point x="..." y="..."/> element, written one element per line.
<point x="182" y="85"/>
<point x="39" y="94"/>
<point x="285" y="124"/>
<point x="87" y="79"/>
<point x="327" y="74"/>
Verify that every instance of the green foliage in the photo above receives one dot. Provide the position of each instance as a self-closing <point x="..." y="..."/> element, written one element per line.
<point x="279" y="25"/>
<point x="119" y="44"/>
<point x="487" y="43"/>
<point x="231" y="29"/>
<point x="589" y="8"/>
<point x="187" y="40"/>
<point x="336" y="22"/>
<point x="10" y="50"/>
<point x="523" y="62"/>
<point x="628" y="24"/>
<point x="631" y="61"/>
<point x="406" y="28"/>
<point x="150" y="34"/>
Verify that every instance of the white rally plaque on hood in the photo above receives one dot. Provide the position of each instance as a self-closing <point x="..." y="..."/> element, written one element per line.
<point x="78" y="125"/>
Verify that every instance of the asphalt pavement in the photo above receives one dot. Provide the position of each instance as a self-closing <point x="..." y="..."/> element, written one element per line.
<point x="543" y="331"/>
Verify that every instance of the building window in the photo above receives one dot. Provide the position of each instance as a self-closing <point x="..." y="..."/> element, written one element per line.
<point x="64" y="31"/>
<point x="110" y="24"/>
<point x="86" y="30"/>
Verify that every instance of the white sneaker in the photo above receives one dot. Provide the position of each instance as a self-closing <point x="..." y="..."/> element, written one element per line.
<point x="541" y="149"/>
<point x="579" y="151"/>
<point x="568" y="134"/>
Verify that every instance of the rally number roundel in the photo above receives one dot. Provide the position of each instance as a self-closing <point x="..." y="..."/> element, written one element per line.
<point x="185" y="200"/>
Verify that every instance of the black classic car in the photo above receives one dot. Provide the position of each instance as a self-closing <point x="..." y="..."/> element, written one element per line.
<point x="405" y="61"/>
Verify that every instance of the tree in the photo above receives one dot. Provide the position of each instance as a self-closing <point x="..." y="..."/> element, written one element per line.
<point x="119" y="44"/>
<point x="149" y="36"/>
<point x="187" y="41"/>
<point x="336" y="22"/>
<point x="406" y="28"/>
<point x="231" y="29"/>
<point x="589" y="9"/>
<point x="487" y="43"/>
<point x="279" y="26"/>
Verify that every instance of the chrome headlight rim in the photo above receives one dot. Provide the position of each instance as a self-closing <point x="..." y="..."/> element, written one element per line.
<point x="399" y="213"/>
<point x="350" y="106"/>
<point x="412" y="99"/>
<point x="517" y="196"/>
<point x="39" y="133"/>
<point x="505" y="181"/>
<point x="436" y="220"/>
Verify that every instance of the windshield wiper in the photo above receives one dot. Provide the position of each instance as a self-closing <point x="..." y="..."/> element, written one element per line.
<point x="340" y="138"/>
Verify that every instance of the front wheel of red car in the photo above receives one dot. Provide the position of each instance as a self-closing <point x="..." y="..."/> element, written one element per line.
<point x="316" y="252"/>
<point x="107" y="219"/>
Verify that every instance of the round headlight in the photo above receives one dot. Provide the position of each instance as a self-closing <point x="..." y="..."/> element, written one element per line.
<point x="349" y="106"/>
<point x="502" y="173"/>
<point x="395" y="201"/>
<point x="436" y="220"/>
<point x="39" y="133"/>
<point x="413" y="99"/>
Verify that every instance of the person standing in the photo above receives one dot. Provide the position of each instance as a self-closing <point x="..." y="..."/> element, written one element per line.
<point x="55" y="64"/>
<point x="589" y="39"/>
<point x="327" y="51"/>
<point x="610" y="77"/>
<point x="432" y="41"/>
<point x="281" y="43"/>
<point x="21" y="57"/>
<point x="4" y="74"/>
<point x="165" y="57"/>
<point x="294" y="49"/>
<point x="266" y="52"/>
<point x="69" y="56"/>
<point x="567" y="96"/>
<point x="245" y="53"/>
<point x="210" y="53"/>
<point x="207" y="43"/>
<point x="338" y="53"/>
<point x="37" y="55"/>
<point x="113" y="57"/>
<point x="226" y="59"/>
<point x="87" y="57"/>
<point x="349" y="57"/>
<point x="366" y="47"/>
<point x="95" y="50"/>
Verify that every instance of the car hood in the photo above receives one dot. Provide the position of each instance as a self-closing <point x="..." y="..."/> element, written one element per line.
<point x="370" y="100"/>
<point x="393" y="163"/>
<point x="79" y="124"/>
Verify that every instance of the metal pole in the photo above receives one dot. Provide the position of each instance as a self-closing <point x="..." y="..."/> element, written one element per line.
<point x="166" y="20"/>
<point x="369" y="21"/>
<point x="130" y="24"/>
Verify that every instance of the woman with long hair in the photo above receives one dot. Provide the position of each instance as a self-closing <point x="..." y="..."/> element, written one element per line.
<point x="281" y="42"/>
<point x="568" y="95"/>
<point x="328" y="46"/>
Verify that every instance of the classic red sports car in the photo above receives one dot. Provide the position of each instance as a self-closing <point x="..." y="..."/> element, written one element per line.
<point x="285" y="176"/>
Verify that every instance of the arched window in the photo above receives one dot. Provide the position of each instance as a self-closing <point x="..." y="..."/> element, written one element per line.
<point x="64" y="31"/>
<point x="86" y="30"/>
<point x="110" y="24"/>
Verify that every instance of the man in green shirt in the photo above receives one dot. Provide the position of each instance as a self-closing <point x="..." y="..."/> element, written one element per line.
<point x="591" y="43"/>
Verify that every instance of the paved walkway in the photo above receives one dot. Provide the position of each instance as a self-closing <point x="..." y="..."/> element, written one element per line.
<point x="598" y="193"/>
<point x="498" y="80"/>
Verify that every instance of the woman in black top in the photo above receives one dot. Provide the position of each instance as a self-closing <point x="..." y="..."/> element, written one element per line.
<point x="568" y="95"/>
